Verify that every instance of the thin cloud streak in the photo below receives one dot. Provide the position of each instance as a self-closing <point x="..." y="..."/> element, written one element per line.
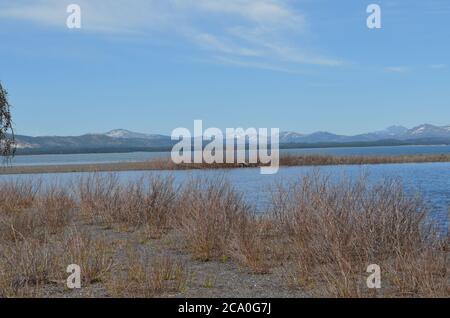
<point x="258" y="29"/>
<point x="438" y="66"/>
<point x="255" y="65"/>
<point x="396" y="69"/>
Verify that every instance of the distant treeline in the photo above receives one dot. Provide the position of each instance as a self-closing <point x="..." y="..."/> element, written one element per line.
<point x="88" y="150"/>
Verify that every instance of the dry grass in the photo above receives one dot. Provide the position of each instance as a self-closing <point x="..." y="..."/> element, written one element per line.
<point x="421" y="274"/>
<point x="321" y="234"/>
<point x="167" y="164"/>
<point x="54" y="209"/>
<point x="93" y="255"/>
<point x="25" y="267"/>
<point x="145" y="276"/>
<point x="29" y="265"/>
<point x="16" y="196"/>
<point x="33" y="210"/>
<point x="335" y="230"/>
<point x="327" y="160"/>
<point x="144" y="203"/>
<point x="208" y="213"/>
<point x="251" y="245"/>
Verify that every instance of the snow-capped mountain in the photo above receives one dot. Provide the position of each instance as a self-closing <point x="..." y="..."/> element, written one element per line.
<point x="126" y="134"/>
<point x="25" y="145"/>
<point x="290" y="137"/>
<point x="427" y="131"/>
<point x="392" y="131"/>
<point x="400" y="133"/>
<point x="125" y="140"/>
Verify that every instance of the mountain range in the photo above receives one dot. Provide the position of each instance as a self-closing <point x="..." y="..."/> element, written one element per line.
<point x="121" y="140"/>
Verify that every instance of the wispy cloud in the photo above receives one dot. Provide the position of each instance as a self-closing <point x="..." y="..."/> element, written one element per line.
<point x="252" y="64"/>
<point x="257" y="29"/>
<point x="397" y="69"/>
<point x="438" y="66"/>
<point x="267" y="13"/>
<point x="211" y="42"/>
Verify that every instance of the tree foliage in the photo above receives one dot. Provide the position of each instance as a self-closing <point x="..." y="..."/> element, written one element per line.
<point x="7" y="144"/>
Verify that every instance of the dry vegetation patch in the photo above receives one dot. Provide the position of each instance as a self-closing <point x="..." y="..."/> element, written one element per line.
<point x="285" y="160"/>
<point x="319" y="234"/>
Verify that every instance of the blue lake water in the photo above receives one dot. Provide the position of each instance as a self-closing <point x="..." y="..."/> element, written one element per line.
<point x="142" y="156"/>
<point x="431" y="180"/>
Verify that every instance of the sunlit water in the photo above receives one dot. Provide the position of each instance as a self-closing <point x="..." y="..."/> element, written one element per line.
<point x="143" y="156"/>
<point x="431" y="180"/>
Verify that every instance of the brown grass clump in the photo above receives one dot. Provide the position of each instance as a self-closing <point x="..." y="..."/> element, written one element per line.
<point x="33" y="211"/>
<point x="25" y="267"/>
<point x="251" y="245"/>
<point x="208" y="214"/>
<point x="99" y="198"/>
<point x="54" y="209"/>
<point x="94" y="255"/>
<point x="335" y="230"/>
<point x="145" y="276"/>
<point x="29" y="211"/>
<point x="144" y="203"/>
<point x="18" y="226"/>
<point x="16" y="196"/>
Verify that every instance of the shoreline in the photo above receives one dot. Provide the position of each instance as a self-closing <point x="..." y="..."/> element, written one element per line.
<point x="167" y="165"/>
<point x="152" y="238"/>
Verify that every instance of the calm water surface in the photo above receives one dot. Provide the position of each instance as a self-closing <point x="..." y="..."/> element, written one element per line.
<point x="142" y="156"/>
<point x="431" y="180"/>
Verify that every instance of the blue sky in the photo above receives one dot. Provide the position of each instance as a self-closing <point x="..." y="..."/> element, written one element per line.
<point x="154" y="65"/>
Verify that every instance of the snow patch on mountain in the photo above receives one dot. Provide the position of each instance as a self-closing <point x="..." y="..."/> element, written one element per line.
<point x="127" y="134"/>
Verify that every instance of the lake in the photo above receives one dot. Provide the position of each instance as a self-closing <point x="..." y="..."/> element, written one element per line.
<point x="431" y="180"/>
<point x="30" y="160"/>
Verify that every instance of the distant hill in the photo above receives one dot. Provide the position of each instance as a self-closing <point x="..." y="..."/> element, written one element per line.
<point x="121" y="140"/>
<point x="108" y="142"/>
<point x="425" y="131"/>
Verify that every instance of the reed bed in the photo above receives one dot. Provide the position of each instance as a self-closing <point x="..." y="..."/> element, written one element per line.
<point x="318" y="234"/>
<point x="167" y="164"/>
<point x="333" y="231"/>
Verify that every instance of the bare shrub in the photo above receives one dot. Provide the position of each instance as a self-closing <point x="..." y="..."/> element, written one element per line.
<point x="93" y="255"/>
<point x="336" y="229"/>
<point x="16" y="196"/>
<point x="16" y="199"/>
<point x="30" y="211"/>
<point x="145" y="276"/>
<point x="99" y="197"/>
<point x="17" y="227"/>
<point x="54" y="209"/>
<point x="207" y="215"/>
<point x="422" y="273"/>
<point x="25" y="267"/>
<point x="147" y="202"/>
<point x="251" y="244"/>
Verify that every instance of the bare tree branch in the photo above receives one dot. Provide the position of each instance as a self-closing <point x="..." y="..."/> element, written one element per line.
<point x="7" y="141"/>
